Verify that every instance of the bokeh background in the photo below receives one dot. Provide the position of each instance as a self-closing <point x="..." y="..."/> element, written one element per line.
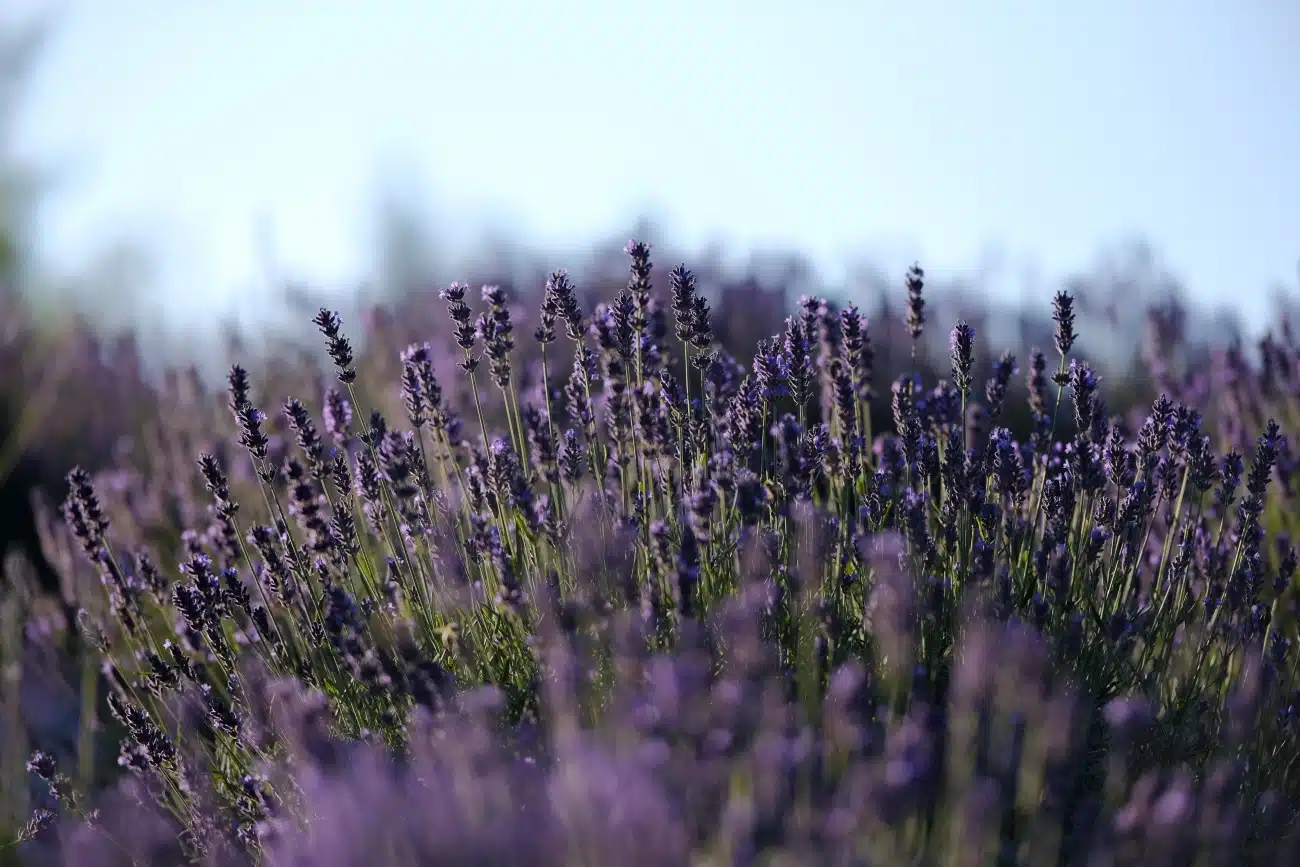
<point x="169" y="165"/>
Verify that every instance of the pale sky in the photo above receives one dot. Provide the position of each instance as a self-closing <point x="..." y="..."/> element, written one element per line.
<point x="920" y="129"/>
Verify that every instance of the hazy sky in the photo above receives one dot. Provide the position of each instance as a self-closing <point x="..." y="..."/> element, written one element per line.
<point x="927" y="129"/>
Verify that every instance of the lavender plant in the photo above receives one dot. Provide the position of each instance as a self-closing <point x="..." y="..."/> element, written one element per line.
<point x="669" y="608"/>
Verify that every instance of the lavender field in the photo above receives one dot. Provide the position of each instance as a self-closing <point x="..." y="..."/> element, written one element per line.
<point x="636" y="574"/>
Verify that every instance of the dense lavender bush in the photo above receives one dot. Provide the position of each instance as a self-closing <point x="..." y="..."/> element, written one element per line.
<point x="635" y="602"/>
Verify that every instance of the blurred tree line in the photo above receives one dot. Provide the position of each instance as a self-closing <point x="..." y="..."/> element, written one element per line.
<point x="19" y="183"/>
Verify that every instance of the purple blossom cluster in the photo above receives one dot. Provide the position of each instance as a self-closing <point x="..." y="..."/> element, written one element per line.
<point x="584" y="587"/>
